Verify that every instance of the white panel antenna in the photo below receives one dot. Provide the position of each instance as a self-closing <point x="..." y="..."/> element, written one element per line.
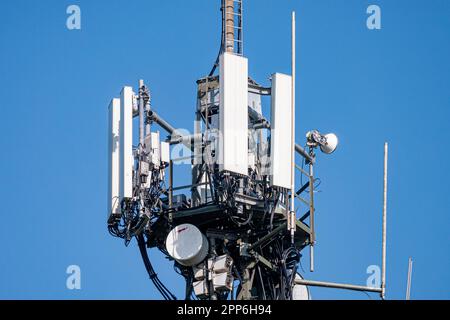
<point x="153" y="146"/>
<point x="280" y="140"/>
<point x="165" y="152"/>
<point x="126" y="143"/>
<point x="233" y="113"/>
<point x="113" y="157"/>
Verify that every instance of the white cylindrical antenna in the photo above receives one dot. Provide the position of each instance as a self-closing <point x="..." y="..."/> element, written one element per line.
<point x="408" y="285"/>
<point x="383" y="257"/>
<point x="292" y="222"/>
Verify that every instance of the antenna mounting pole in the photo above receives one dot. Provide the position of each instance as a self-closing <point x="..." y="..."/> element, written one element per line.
<point x="292" y="218"/>
<point x="383" y="257"/>
<point x="408" y="285"/>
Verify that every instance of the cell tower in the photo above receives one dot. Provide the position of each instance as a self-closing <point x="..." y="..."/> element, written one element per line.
<point x="238" y="229"/>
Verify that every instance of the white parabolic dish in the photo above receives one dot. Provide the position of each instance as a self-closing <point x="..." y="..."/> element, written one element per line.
<point x="187" y="245"/>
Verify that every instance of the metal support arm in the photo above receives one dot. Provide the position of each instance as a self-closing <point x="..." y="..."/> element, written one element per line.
<point x="336" y="285"/>
<point x="304" y="153"/>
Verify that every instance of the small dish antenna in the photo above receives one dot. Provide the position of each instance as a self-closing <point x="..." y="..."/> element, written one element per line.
<point x="327" y="143"/>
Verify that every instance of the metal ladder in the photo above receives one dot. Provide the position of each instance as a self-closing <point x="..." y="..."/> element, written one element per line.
<point x="238" y="40"/>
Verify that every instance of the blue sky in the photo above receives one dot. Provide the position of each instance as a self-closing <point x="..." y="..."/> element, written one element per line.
<point x="367" y="86"/>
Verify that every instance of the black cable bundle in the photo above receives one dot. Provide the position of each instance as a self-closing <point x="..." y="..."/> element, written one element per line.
<point x="167" y="295"/>
<point x="290" y="259"/>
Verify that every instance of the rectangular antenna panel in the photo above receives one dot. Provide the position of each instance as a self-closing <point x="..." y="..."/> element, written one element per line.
<point x="165" y="152"/>
<point x="233" y="114"/>
<point x="126" y="143"/>
<point x="280" y="137"/>
<point x="155" y="148"/>
<point x="113" y="157"/>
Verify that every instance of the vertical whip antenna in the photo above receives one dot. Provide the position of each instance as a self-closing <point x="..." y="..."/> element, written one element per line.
<point x="408" y="284"/>
<point x="383" y="257"/>
<point x="292" y="218"/>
